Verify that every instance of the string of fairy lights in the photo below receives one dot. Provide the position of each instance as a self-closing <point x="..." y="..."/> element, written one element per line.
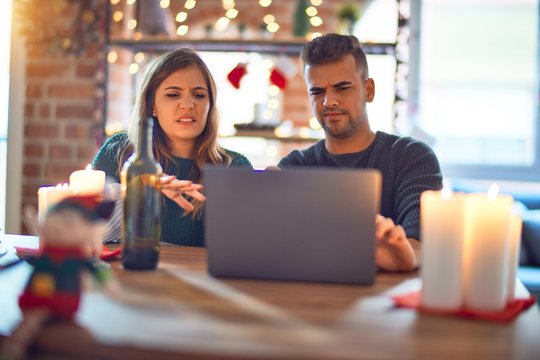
<point x="230" y="13"/>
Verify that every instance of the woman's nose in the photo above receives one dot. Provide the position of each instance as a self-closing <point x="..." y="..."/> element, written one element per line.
<point x="187" y="103"/>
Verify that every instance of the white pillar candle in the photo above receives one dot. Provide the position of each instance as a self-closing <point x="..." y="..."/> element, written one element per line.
<point x="87" y="182"/>
<point x="49" y="196"/>
<point x="442" y="216"/>
<point x="515" y="242"/>
<point x="487" y="222"/>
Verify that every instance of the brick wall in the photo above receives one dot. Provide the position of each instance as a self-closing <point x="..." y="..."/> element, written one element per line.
<point x="62" y="116"/>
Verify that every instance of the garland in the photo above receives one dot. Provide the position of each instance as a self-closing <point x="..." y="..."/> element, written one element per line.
<point x="66" y="27"/>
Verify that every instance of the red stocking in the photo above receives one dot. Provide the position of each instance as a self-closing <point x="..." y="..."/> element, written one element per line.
<point x="236" y="74"/>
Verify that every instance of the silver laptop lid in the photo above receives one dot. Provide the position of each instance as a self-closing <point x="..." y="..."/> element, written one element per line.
<point x="294" y="224"/>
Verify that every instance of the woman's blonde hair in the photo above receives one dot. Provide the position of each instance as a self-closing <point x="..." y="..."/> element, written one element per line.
<point x="207" y="149"/>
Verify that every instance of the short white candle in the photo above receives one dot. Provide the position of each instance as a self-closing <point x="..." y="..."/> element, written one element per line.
<point x="487" y="221"/>
<point x="442" y="235"/>
<point x="87" y="182"/>
<point x="49" y="196"/>
<point x="515" y="242"/>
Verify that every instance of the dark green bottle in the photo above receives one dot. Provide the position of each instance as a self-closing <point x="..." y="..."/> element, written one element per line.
<point x="142" y="204"/>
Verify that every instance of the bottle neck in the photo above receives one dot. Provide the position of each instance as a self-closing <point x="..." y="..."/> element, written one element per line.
<point x="144" y="146"/>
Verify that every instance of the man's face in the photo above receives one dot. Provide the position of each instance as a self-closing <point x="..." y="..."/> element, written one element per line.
<point x="338" y="96"/>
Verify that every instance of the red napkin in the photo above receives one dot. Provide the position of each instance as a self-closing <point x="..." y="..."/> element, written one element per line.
<point x="512" y="310"/>
<point x="106" y="254"/>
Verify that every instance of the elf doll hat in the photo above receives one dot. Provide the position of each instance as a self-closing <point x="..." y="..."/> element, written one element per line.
<point x="92" y="207"/>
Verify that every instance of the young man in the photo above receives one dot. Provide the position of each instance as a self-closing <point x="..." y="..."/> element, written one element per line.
<point x="339" y="86"/>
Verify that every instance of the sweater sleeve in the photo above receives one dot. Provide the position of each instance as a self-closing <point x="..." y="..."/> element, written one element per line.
<point x="108" y="156"/>
<point x="418" y="170"/>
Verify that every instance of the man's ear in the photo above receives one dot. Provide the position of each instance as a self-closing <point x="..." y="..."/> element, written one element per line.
<point x="369" y="86"/>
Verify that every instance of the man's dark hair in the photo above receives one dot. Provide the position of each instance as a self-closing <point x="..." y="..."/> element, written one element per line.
<point x="332" y="48"/>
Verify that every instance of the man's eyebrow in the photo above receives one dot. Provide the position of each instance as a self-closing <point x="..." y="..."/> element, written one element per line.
<point x="341" y="83"/>
<point x="315" y="88"/>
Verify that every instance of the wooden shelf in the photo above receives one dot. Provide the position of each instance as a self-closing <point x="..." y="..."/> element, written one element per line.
<point x="270" y="135"/>
<point x="260" y="46"/>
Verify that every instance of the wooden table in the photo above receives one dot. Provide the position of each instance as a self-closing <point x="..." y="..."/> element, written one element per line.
<point x="180" y="310"/>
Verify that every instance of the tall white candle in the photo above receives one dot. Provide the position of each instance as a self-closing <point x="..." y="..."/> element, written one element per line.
<point x="49" y="196"/>
<point x="442" y="216"/>
<point x="87" y="182"/>
<point x="515" y="242"/>
<point x="487" y="221"/>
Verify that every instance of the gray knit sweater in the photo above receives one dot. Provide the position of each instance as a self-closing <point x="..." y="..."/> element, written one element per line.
<point x="175" y="227"/>
<point x="408" y="168"/>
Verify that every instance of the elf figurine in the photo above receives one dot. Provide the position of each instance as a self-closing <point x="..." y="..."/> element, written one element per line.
<point x="68" y="239"/>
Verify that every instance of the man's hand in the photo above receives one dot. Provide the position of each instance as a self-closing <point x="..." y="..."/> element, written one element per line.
<point x="175" y="189"/>
<point x="394" y="251"/>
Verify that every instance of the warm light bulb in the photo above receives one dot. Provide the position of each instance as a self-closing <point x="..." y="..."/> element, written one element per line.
<point x="316" y="21"/>
<point x="190" y="4"/>
<point x="139" y="57"/>
<point x="112" y="56"/>
<point x="231" y="13"/>
<point x="272" y="27"/>
<point x="132" y="24"/>
<point x="118" y="16"/>
<point x="133" y="68"/>
<point x="222" y="23"/>
<point x="273" y="104"/>
<point x="312" y="11"/>
<point x="182" y="30"/>
<point x="265" y="3"/>
<point x="164" y="4"/>
<point x="268" y="19"/>
<point x="181" y="16"/>
<point x="314" y="123"/>
<point x="273" y="90"/>
<point x="316" y="2"/>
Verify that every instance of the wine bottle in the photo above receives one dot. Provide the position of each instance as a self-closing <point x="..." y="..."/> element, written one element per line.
<point x="142" y="204"/>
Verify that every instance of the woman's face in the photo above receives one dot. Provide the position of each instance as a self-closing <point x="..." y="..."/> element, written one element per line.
<point x="181" y="106"/>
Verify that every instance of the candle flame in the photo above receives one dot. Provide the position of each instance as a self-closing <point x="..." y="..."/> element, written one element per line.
<point x="493" y="192"/>
<point x="88" y="167"/>
<point x="446" y="192"/>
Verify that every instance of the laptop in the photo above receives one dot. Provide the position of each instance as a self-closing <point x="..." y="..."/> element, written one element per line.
<point x="304" y="224"/>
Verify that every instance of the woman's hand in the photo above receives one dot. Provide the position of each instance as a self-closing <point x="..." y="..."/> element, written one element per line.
<point x="175" y="189"/>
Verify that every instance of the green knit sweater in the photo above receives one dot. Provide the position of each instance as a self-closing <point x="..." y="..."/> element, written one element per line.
<point x="176" y="227"/>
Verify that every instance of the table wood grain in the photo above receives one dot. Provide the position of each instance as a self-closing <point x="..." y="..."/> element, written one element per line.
<point x="180" y="310"/>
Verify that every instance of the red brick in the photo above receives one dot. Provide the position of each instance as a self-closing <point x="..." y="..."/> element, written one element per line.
<point x="34" y="150"/>
<point x="77" y="131"/>
<point x="85" y="70"/>
<point x="86" y="153"/>
<point x="28" y="110"/>
<point x="31" y="169"/>
<point x="72" y="91"/>
<point x="57" y="151"/>
<point x="34" y="90"/>
<point x="30" y="191"/>
<point x="44" y="111"/>
<point x="59" y="172"/>
<point x="75" y="111"/>
<point x="47" y="70"/>
<point x="42" y="130"/>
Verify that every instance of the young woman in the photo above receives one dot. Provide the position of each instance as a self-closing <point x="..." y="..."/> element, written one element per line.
<point x="179" y="92"/>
